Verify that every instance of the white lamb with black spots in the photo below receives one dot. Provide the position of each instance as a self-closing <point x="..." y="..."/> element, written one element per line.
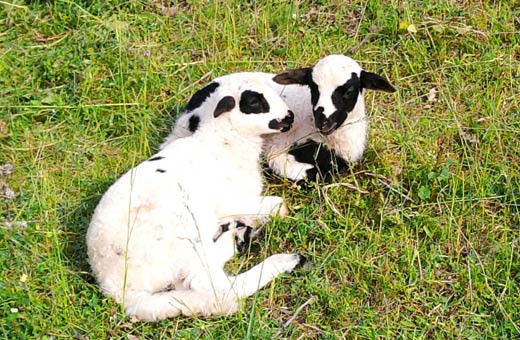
<point x="330" y="125"/>
<point x="151" y="239"/>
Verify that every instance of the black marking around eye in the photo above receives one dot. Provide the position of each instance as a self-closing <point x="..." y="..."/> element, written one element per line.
<point x="200" y="96"/>
<point x="161" y="171"/>
<point x="193" y="123"/>
<point x="344" y="99"/>
<point x="345" y="96"/>
<point x="253" y="102"/>
<point x="156" y="158"/>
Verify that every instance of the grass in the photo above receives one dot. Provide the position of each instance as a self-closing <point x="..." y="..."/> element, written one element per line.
<point x="420" y="240"/>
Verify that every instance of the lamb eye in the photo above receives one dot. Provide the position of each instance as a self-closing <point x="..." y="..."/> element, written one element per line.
<point x="254" y="101"/>
<point x="349" y="91"/>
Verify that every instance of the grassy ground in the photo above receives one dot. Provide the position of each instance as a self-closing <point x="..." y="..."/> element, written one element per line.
<point x="420" y="240"/>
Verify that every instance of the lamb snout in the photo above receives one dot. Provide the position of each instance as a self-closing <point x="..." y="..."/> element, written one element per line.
<point x="283" y="124"/>
<point x="324" y="124"/>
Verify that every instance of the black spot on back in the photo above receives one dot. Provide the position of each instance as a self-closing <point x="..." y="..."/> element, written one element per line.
<point x="324" y="160"/>
<point x="194" y="123"/>
<point x="253" y="102"/>
<point x="200" y="96"/>
<point x="156" y="158"/>
<point x="161" y="171"/>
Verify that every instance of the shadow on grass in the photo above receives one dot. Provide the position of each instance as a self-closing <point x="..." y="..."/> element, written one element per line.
<point x="77" y="222"/>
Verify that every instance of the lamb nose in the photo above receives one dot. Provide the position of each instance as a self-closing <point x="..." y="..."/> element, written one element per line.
<point x="327" y="126"/>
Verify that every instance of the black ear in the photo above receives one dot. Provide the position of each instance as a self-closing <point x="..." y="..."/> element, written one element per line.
<point x="373" y="81"/>
<point x="300" y="76"/>
<point x="226" y="104"/>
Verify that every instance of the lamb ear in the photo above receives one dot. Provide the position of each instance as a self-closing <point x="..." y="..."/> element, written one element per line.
<point x="226" y="104"/>
<point x="297" y="76"/>
<point x="373" y="81"/>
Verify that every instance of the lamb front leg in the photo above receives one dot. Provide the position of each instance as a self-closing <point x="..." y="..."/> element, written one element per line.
<point x="249" y="212"/>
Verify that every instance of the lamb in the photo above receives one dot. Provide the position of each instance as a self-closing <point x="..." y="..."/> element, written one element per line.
<point x="151" y="240"/>
<point x="330" y="125"/>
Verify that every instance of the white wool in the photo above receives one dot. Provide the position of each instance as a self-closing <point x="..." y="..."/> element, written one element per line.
<point x="150" y="241"/>
<point x="348" y="141"/>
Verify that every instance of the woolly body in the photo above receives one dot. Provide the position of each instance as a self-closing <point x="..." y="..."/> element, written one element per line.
<point x="150" y="241"/>
<point x="290" y="154"/>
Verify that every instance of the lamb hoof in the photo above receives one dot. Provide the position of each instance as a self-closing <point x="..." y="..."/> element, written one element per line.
<point x="284" y="210"/>
<point x="287" y="263"/>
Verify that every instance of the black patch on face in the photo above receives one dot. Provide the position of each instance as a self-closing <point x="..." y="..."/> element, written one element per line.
<point x="161" y="171"/>
<point x="193" y="123"/>
<point x="344" y="99"/>
<point x="156" y="158"/>
<point x="253" y="102"/>
<point x="284" y="124"/>
<point x="345" y="96"/>
<point x="200" y="96"/>
<point x="324" y="160"/>
<point x="226" y="104"/>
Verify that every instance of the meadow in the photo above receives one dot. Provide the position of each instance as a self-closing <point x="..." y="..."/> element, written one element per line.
<point x="419" y="240"/>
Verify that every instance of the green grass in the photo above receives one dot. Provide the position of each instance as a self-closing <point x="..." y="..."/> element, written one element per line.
<point x="420" y="240"/>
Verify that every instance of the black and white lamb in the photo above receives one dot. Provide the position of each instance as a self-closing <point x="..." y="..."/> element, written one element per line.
<point x="330" y="124"/>
<point x="151" y="239"/>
